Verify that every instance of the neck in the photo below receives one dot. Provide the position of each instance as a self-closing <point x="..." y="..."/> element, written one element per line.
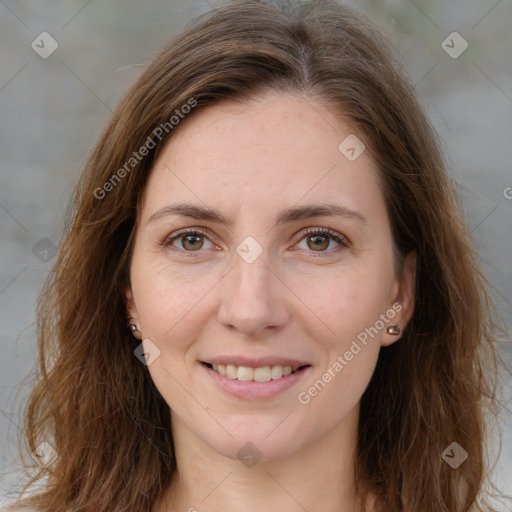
<point x="318" y="473"/>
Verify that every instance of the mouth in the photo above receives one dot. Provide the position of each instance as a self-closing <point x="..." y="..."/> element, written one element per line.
<point x="254" y="374"/>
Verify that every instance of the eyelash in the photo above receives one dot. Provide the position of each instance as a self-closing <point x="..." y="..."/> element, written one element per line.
<point x="337" y="237"/>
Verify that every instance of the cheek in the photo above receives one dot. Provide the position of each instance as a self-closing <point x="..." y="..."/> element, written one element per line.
<point x="344" y="304"/>
<point x="167" y="299"/>
<point x="171" y="312"/>
<point x="351" y="356"/>
<point x="350" y="305"/>
<point x="340" y="388"/>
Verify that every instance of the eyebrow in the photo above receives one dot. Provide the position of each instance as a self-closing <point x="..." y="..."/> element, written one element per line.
<point x="285" y="216"/>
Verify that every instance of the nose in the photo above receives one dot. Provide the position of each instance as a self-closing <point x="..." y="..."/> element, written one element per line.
<point x="253" y="297"/>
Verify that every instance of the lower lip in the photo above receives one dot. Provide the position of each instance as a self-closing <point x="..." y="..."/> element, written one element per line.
<point x="253" y="389"/>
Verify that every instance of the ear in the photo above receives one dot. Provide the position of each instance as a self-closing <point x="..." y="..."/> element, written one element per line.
<point x="131" y="314"/>
<point x="131" y="310"/>
<point x="403" y="298"/>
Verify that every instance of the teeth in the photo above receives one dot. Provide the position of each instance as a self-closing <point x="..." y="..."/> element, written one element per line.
<point x="245" y="373"/>
<point x="231" y="371"/>
<point x="260" y="374"/>
<point x="276" y="372"/>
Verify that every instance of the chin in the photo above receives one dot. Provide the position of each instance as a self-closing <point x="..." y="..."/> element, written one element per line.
<point x="257" y="443"/>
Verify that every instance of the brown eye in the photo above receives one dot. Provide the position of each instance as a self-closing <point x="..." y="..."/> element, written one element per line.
<point x="190" y="240"/>
<point x="318" y="240"/>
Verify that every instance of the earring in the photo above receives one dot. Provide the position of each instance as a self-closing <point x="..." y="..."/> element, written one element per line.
<point x="135" y="331"/>
<point x="394" y="330"/>
<point x="133" y="328"/>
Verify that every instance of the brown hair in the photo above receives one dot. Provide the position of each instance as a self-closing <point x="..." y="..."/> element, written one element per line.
<point x="97" y="405"/>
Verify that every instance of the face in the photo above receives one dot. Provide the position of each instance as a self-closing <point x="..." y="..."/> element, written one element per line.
<point x="281" y="257"/>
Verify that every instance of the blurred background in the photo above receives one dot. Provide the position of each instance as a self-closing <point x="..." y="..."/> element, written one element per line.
<point x="66" y="64"/>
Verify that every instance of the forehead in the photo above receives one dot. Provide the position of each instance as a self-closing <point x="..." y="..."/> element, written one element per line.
<point x="273" y="151"/>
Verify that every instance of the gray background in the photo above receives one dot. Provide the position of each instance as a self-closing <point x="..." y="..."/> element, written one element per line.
<point x="53" y="110"/>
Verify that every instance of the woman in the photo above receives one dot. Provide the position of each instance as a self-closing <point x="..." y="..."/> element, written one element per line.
<point x="266" y="298"/>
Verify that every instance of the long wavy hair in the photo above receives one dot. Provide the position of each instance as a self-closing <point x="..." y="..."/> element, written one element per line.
<point x="97" y="406"/>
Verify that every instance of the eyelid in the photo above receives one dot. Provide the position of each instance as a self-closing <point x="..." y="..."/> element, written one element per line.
<point x="339" y="238"/>
<point x="168" y="239"/>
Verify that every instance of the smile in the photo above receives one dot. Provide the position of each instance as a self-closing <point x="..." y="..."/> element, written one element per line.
<point x="254" y="378"/>
<point x="248" y="373"/>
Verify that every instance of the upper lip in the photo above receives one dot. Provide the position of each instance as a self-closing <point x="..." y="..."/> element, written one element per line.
<point x="255" y="362"/>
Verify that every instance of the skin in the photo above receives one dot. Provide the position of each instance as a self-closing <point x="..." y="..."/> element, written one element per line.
<point x="250" y="161"/>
